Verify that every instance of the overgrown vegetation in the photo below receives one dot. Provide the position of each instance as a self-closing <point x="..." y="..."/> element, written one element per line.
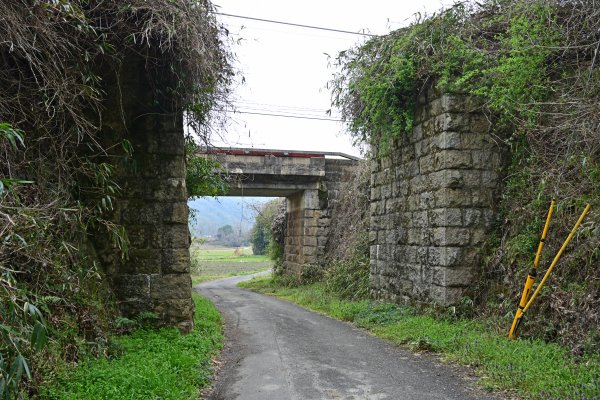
<point x="147" y="364"/>
<point x="203" y="175"/>
<point x="56" y="183"/>
<point x="347" y="267"/>
<point x="533" y="66"/>
<point x="277" y="242"/>
<point x="260" y="235"/>
<point x="532" y="368"/>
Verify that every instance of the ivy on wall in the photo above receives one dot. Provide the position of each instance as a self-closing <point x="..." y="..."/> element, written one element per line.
<point x="501" y="51"/>
<point x="533" y="66"/>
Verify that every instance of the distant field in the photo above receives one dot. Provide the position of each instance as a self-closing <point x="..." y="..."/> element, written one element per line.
<point x="239" y="254"/>
<point x="210" y="262"/>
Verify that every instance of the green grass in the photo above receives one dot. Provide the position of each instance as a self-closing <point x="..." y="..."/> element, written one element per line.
<point x="223" y="270"/>
<point x="151" y="364"/>
<point x="532" y="368"/>
<point x="242" y="254"/>
<point x="210" y="263"/>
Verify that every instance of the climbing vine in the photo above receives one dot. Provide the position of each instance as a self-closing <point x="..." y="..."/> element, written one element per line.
<point x="533" y="66"/>
<point x="502" y="51"/>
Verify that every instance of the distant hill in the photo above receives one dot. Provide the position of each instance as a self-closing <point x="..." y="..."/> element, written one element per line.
<point x="208" y="214"/>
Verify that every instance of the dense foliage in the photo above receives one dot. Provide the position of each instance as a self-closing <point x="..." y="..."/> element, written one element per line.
<point x="55" y="185"/>
<point x="203" y="175"/>
<point x="277" y="242"/>
<point x="260" y="235"/>
<point x="534" y="67"/>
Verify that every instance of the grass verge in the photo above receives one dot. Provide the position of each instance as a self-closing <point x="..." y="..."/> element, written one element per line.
<point x="149" y="364"/>
<point x="534" y="369"/>
<point x="225" y="272"/>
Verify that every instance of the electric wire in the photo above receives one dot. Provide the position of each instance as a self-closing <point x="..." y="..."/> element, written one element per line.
<point x="278" y="110"/>
<point x="302" y="113"/>
<point x="283" y="115"/>
<point x="282" y="108"/>
<point x="294" y="24"/>
<point x="288" y="112"/>
<point x="246" y="103"/>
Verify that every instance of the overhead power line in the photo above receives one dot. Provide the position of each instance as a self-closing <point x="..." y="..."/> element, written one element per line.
<point x="282" y="107"/>
<point x="294" y="24"/>
<point x="274" y="110"/>
<point x="284" y="115"/>
<point x="288" y="112"/>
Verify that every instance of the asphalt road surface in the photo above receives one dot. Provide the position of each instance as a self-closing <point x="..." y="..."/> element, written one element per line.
<point x="275" y="350"/>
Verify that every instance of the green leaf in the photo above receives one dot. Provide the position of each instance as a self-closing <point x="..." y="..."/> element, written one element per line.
<point x="16" y="369"/>
<point x="7" y="329"/>
<point x="33" y="311"/>
<point x="25" y="366"/>
<point x="6" y="182"/>
<point x="38" y="336"/>
<point x="14" y="136"/>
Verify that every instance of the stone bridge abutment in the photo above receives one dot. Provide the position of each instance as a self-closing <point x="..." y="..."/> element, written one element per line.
<point x="151" y="202"/>
<point x="433" y="199"/>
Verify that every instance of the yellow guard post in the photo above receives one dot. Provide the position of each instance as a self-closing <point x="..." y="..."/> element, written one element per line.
<point x="530" y="278"/>
<point x="557" y="257"/>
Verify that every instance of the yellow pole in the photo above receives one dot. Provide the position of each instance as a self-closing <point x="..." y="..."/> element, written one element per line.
<point x="512" y="334"/>
<point x="558" y="255"/>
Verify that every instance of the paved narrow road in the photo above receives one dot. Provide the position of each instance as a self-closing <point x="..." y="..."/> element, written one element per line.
<point x="276" y="350"/>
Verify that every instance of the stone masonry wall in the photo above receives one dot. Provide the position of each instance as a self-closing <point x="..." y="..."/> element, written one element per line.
<point x="293" y="232"/>
<point x="152" y="203"/>
<point x="433" y="202"/>
<point x="308" y="216"/>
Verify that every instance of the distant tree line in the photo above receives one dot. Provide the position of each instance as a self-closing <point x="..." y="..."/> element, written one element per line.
<point x="228" y="236"/>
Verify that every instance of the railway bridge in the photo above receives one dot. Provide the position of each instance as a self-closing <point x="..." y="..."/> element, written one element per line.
<point x="310" y="181"/>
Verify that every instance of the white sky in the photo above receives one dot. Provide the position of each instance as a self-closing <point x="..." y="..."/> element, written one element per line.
<point x="286" y="68"/>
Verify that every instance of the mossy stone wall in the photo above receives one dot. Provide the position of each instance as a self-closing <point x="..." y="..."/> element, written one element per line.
<point x="152" y="203"/>
<point x="433" y="200"/>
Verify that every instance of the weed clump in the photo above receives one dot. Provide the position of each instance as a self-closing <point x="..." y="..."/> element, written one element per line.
<point x="347" y="267"/>
<point x="148" y="363"/>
